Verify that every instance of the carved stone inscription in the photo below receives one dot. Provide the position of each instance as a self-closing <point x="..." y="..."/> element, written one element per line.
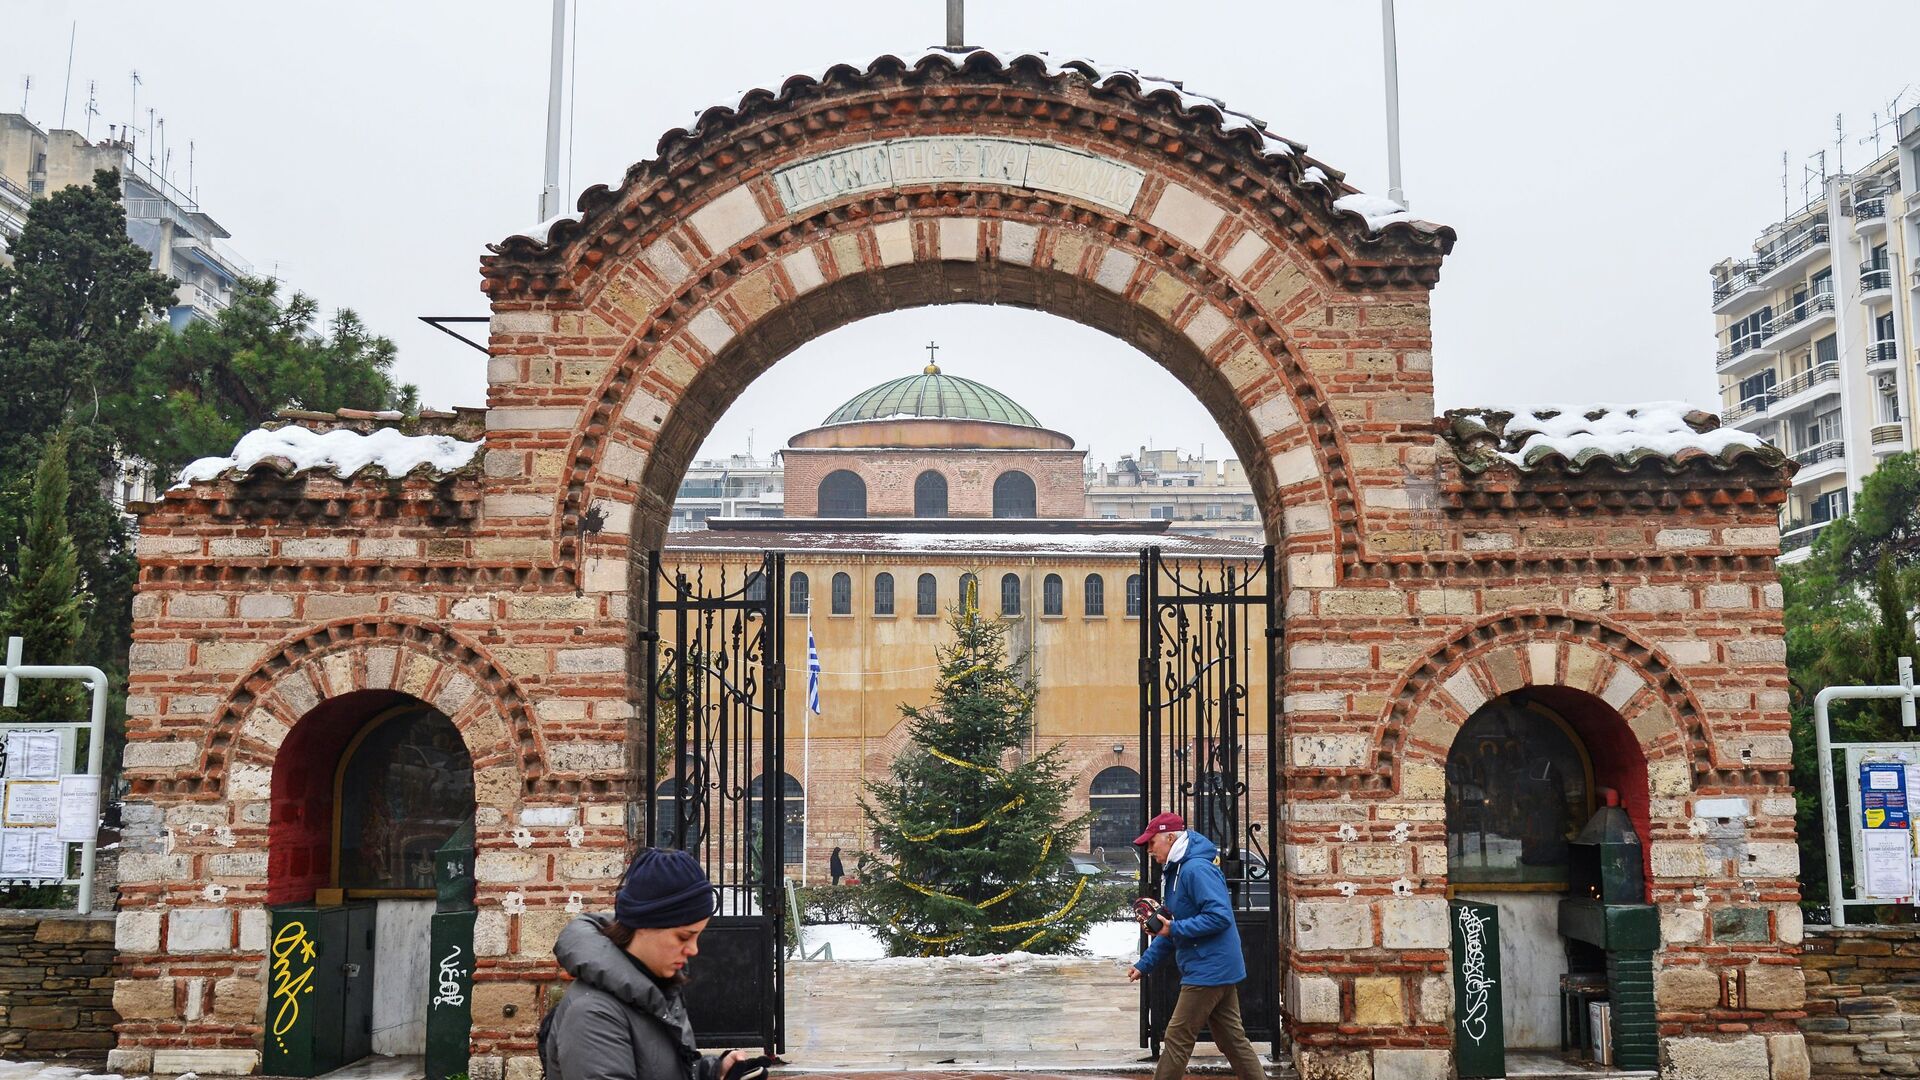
<point x="937" y="159"/>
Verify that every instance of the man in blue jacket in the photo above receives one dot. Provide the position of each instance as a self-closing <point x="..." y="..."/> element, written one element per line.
<point x="1206" y="947"/>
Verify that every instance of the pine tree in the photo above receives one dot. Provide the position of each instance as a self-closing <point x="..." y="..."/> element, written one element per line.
<point x="972" y="839"/>
<point x="47" y="608"/>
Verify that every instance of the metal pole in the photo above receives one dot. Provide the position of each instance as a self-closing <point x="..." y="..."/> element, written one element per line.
<point x="96" y="681"/>
<point x="550" y="190"/>
<point x="1389" y="43"/>
<point x="956" y="24"/>
<point x="1823" y="745"/>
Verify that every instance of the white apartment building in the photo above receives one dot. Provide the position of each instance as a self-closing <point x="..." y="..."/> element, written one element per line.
<point x="183" y="240"/>
<point x="739" y="485"/>
<point x="1200" y="496"/>
<point x="1814" y="330"/>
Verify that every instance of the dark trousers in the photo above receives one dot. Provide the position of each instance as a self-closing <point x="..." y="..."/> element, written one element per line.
<point x="1216" y="1008"/>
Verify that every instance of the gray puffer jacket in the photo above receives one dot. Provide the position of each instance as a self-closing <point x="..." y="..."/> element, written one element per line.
<point x="615" y="1023"/>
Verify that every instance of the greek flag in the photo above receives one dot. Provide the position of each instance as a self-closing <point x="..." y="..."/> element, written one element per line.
<point x="813" y="673"/>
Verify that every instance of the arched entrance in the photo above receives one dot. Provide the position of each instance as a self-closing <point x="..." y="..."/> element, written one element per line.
<point x="367" y="790"/>
<point x="1525" y="776"/>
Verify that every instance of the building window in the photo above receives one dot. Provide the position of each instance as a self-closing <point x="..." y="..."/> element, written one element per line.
<point x="1115" y="800"/>
<point x="756" y="587"/>
<point x="930" y="495"/>
<point x="1827" y="350"/>
<point x="1829" y="506"/>
<point x="1135" y="596"/>
<point x="1053" y="596"/>
<point x="793" y="818"/>
<point x="666" y="816"/>
<point x="1014" y="497"/>
<point x="969" y="594"/>
<point x="843" y="495"/>
<point x="928" y="600"/>
<point x="1822" y="282"/>
<point x="797" y="594"/>
<point x="1753" y="389"/>
<point x="406" y="788"/>
<point x="1883" y="327"/>
<point x="883" y="594"/>
<point x="1096" y="596"/>
<point x="1010" y="594"/>
<point x="1517" y="788"/>
<point x="842" y="594"/>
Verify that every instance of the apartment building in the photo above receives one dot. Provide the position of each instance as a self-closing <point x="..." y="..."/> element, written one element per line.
<point x="1200" y="496"/>
<point x="1813" y="330"/>
<point x="14" y="201"/>
<point x="736" y="486"/>
<point x="183" y="240"/>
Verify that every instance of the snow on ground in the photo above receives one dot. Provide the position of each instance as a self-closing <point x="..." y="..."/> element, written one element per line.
<point x="853" y="941"/>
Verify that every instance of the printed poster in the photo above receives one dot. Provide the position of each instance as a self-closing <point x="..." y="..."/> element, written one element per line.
<point x="1889" y="864"/>
<point x="33" y="755"/>
<point x="31" y="803"/>
<point x="79" y="816"/>
<point x="1883" y="795"/>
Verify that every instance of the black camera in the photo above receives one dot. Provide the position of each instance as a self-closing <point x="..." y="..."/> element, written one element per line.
<point x="1153" y="912"/>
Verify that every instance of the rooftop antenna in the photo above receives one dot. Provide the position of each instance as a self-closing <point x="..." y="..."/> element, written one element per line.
<point x="192" y="192"/>
<point x="956" y="24"/>
<point x="150" y="135"/>
<point x="550" y="188"/>
<point x="1839" y="146"/>
<point x="1786" y="203"/>
<point x="26" y="88"/>
<point x="133" y="111"/>
<point x="93" y="109"/>
<point x="160" y="140"/>
<point x="1390" y="43"/>
<point x="72" y="34"/>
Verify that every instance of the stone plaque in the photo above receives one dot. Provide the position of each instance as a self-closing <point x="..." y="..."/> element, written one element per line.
<point x="936" y="159"/>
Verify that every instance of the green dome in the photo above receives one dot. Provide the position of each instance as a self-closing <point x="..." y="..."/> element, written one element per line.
<point x="933" y="396"/>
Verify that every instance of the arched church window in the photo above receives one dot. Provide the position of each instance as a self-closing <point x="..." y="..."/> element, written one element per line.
<point x="969" y="594"/>
<point x="842" y="594"/>
<point x="1010" y="594"/>
<point x="1053" y="595"/>
<point x="406" y="786"/>
<point x="793" y="816"/>
<point x="1096" y="597"/>
<point x="928" y="601"/>
<point x="930" y="495"/>
<point x="1519" y="787"/>
<point x="797" y="594"/>
<point x="1115" y="800"/>
<point x="1013" y="496"/>
<point x="1136" y="598"/>
<point x="843" y="495"/>
<point x="883" y="594"/>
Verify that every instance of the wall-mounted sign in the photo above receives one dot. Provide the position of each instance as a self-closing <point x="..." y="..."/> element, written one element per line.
<point x="1479" y="1037"/>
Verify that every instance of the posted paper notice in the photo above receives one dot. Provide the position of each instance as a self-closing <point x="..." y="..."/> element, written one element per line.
<point x="1889" y="864"/>
<point x="33" y="755"/>
<point x="79" y="808"/>
<point x="31" y="802"/>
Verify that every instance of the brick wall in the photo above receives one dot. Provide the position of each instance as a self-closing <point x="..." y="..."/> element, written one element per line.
<point x="1863" y="1001"/>
<point x="1059" y="478"/>
<point x="56" y="986"/>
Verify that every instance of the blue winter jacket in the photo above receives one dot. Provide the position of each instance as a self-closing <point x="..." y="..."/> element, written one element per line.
<point x="1203" y="940"/>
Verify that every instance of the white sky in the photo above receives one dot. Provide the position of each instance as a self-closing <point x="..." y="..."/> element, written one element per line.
<point x="1595" y="159"/>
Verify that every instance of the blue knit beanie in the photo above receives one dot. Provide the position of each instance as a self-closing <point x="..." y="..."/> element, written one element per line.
<point x="664" y="887"/>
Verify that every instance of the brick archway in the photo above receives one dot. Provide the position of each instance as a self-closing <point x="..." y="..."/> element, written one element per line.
<point x="1214" y="248"/>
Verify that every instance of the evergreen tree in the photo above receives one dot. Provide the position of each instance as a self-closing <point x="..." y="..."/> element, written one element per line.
<point x="47" y="609"/>
<point x="196" y="392"/>
<point x="972" y="839"/>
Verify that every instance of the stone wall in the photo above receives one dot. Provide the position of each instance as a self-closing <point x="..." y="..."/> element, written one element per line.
<point x="56" y="985"/>
<point x="1863" y="1001"/>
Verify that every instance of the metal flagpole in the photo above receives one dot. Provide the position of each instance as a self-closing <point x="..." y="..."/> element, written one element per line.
<point x="550" y="190"/>
<point x="806" y="742"/>
<point x="1390" y="43"/>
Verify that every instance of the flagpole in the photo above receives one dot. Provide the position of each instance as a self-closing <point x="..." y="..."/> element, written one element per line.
<point x="1390" y="44"/>
<point x="806" y="745"/>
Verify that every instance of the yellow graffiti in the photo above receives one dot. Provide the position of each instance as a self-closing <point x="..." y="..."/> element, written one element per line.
<point x="290" y="945"/>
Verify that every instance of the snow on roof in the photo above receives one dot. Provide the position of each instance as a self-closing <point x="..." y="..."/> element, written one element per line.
<point x="1009" y="543"/>
<point x="1530" y="436"/>
<point x="1378" y="212"/>
<point x="294" y="449"/>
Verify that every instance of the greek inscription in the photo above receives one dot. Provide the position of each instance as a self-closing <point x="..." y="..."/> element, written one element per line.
<point x="939" y="159"/>
<point x="1473" y="975"/>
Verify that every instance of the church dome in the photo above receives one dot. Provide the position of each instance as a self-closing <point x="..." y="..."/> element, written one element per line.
<point x="934" y="396"/>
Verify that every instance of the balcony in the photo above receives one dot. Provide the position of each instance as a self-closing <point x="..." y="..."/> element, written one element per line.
<point x="1793" y="321"/>
<point x="1889" y="437"/>
<point x="1789" y="393"/>
<point x="1826" y="451"/>
<point x="1771" y="263"/>
<point x="1881" y="353"/>
<point x="1869" y="207"/>
<point x="1799" y="534"/>
<point x="1746" y="346"/>
<point x="1740" y="277"/>
<point x="1751" y="408"/>
<point x="1875" y="278"/>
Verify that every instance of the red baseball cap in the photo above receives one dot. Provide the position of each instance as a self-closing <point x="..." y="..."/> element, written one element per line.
<point x="1167" y="822"/>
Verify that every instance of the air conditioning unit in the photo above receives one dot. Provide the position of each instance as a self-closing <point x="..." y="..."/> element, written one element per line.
<point x="1886" y="383"/>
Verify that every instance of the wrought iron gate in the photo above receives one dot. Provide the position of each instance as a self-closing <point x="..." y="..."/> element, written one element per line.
<point x="714" y="768"/>
<point x="1207" y="745"/>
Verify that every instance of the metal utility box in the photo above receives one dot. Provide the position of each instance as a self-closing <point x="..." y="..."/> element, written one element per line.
<point x="319" y="988"/>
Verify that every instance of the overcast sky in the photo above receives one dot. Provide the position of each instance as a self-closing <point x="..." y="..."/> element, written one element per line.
<point x="1594" y="158"/>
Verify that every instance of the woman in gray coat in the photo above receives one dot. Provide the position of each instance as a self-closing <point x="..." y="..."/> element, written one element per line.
<point x="622" y="1019"/>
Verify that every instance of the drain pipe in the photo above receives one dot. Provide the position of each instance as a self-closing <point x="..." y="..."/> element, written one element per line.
<point x="1823" y="743"/>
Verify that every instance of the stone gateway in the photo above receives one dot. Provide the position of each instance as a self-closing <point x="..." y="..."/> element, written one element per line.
<point x="1487" y="621"/>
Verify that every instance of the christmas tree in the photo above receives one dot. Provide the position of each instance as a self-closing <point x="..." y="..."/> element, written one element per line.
<point x="971" y="837"/>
